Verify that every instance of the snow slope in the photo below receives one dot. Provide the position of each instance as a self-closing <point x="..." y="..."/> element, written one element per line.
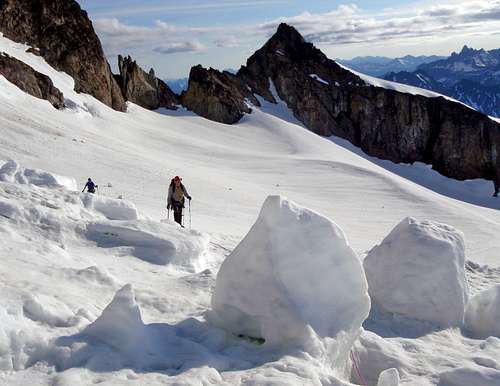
<point x="59" y="276"/>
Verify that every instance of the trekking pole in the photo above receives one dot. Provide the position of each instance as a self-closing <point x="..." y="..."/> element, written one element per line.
<point x="168" y="214"/>
<point x="189" y="214"/>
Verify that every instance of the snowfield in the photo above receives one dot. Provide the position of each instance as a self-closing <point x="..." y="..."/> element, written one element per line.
<point x="106" y="289"/>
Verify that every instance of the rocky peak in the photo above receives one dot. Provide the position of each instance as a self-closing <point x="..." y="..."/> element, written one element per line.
<point x="143" y="88"/>
<point x="61" y="32"/>
<point x="219" y="96"/>
<point x="287" y="55"/>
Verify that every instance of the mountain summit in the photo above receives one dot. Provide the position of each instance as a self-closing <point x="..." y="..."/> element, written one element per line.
<point x="390" y="122"/>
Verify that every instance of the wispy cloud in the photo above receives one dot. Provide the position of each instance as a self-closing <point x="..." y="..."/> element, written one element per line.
<point x="175" y="47"/>
<point x="193" y="7"/>
<point x="350" y="24"/>
<point x="161" y="38"/>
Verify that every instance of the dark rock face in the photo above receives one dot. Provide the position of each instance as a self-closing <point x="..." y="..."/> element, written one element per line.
<point x="143" y="88"/>
<point x="459" y="142"/>
<point x="218" y="96"/>
<point x="64" y="36"/>
<point x="30" y="81"/>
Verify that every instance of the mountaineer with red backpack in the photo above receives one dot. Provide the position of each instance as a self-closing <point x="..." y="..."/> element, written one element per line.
<point x="177" y="193"/>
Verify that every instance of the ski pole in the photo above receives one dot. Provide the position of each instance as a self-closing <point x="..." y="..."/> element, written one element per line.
<point x="189" y="214"/>
<point x="168" y="213"/>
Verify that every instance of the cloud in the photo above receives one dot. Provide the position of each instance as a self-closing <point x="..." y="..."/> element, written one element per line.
<point x="349" y="24"/>
<point x="161" y="38"/>
<point x="172" y="48"/>
<point x="191" y="8"/>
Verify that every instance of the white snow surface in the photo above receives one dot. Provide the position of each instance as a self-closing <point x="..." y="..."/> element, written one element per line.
<point x="291" y="279"/>
<point x="482" y="316"/>
<point x="389" y="377"/>
<point x="419" y="271"/>
<point x="63" y="262"/>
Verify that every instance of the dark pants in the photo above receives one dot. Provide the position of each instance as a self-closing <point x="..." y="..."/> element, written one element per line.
<point x="497" y="190"/>
<point x="177" y="208"/>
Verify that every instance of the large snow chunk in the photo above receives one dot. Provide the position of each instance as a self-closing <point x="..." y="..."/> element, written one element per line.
<point x="292" y="272"/>
<point x="470" y="376"/>
<point x="12" y="172"/>
<point x="419" y="271"/>
<point x="389" y="377"/>
<point x="111" y="208"/>
<point x="482" y="315"/>
<point x="120" y="324"/>
<point x="156" y="243"/>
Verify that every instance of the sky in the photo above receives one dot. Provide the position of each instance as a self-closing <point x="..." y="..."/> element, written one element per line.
<point x="172" y="36"/>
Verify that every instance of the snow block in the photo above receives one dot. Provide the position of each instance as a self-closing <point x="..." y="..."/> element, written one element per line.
<point x="111" y="208"/>
<point x="470" y="376"/>
<point x="389" y="377"/>
<point x="482" y="315"/>
<point x="12" y="172"/>
<point x="120" y="324"/>
<point x="293" y="276"/>
<point x="419" y="271"/>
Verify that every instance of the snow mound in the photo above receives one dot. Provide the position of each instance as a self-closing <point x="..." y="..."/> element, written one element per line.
<point x="482" y="315"/>
<point x="120" y="324"/>
<point x="470" y="376"/>
<point x="156" y="243"/>
<point x="111" y="208"/>
<point x="50" y="311"/>
<point x="12" y="172"/>
<point x="293" y="276"/>
<point x="389" y="377"/>
<point x="419" y="271"/>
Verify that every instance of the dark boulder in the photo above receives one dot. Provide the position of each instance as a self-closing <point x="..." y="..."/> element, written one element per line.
<point x="30" y="81"/>
<point x="142" y="88"/>
<point x="64" y="36"/>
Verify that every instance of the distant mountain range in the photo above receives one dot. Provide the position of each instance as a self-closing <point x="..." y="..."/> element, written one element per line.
<point x="470" y="76"/>
<point x="381" y="65"/>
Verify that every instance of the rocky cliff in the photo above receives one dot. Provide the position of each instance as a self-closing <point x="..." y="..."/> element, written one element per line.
<point x="457" y="141"/>
<point x="219" y="96"/>
<point x="64" y="36"/>
<point x="30" y="81"/>
<point x="144" y="88"/>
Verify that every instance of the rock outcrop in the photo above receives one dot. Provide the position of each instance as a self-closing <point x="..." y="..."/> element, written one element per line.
<point x="219" y="96"/>
<point x="30" y="81"/>
<point x="61" y="32"/>
<point x="459" y="142"/>
<point x="143" y="88"/>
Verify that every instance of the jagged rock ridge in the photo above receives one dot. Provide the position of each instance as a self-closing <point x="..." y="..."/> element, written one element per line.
<point x="143" y="88"/>
<point x="65" y="38"/>
<point x="219" y="96"/>
<point x="457" y="141"/>
<point x="30" y="81"/>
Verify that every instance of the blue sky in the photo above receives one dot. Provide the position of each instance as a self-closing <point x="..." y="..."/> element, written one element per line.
<point x="172" y="36"/>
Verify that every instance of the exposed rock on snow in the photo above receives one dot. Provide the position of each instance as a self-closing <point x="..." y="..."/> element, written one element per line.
<point x="293" y="276"/>
<point x="63" y="34"/>
<point x="218" y="96"/>
<point x="419" y="271"/>
<point x="482" y="315"/>
<point x="143" y="88"/>
<point x="30" y="80"/>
